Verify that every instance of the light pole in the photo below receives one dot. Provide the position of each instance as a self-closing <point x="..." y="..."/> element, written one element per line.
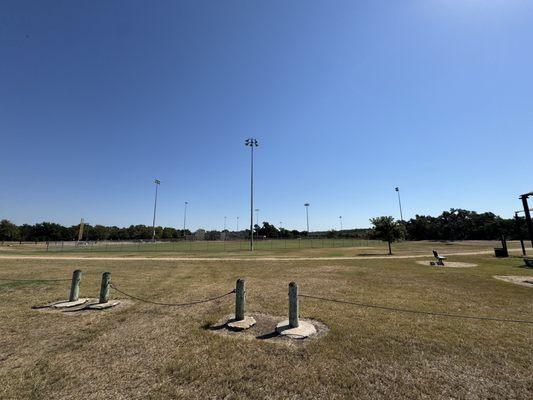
<point x="225" y="219"/>
<point x="157" y="183"/>
<point x="237" y="224"/>
<point x="184" y="217"/>
<point x="307" y="216"/>
<point x="280" y="227"/>
<point x="251" y="142"/>
<point x="257" y="220"/>
<point x="340" y="219"/>
<point x="399" y="202"/>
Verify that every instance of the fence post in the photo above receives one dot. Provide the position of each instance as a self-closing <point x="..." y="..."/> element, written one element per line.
<point x="293" y="305"/>
<point x="75" y="286"/>
<point x="240" y="300"/>
<point x="104" y="288"/>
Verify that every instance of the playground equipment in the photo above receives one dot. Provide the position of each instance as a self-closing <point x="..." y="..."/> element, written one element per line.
<point x="529" y="223"/>
<point x="502" y="251"/>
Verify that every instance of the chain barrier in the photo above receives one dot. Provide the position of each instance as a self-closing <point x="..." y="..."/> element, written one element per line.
<point x="34" y="280"/>
<point x="171" y="304"/>
<point x="405" y="310"/>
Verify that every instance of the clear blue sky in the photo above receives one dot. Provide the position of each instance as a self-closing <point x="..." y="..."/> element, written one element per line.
<point x="347" y="98"/>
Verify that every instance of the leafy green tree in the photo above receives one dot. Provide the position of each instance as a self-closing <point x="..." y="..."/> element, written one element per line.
<point x="387" y="229"/>
<point x="8" y="230"/>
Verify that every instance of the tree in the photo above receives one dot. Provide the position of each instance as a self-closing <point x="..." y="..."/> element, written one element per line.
<point x="387" y="229"/>
<point x="8" y="230"/>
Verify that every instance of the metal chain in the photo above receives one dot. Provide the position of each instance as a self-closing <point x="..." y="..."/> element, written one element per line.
<point x="405" y="310"/>
<point x="33" y="280"/>
<point x="170" y="304"/>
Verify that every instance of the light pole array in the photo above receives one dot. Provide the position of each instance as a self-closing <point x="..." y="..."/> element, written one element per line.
<point x="251" y="142"/>
<point x="399" y="202"/>
<point x="306" y="205"/>
<point x="157" y="183"/>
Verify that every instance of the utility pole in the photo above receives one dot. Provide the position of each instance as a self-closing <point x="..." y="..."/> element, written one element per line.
<point x="251" y="142"/>
<point x="185" y="217"/>
<point x="399" y="202"/>
<point x="157" y="183"/>
<point x="306" y="205"/>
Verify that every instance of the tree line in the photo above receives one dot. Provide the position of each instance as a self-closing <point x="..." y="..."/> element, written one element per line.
<point x="456" y="224"/>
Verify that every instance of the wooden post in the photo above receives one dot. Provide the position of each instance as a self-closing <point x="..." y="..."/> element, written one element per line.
<point x="239" y="300"/>
<point x="104" y="288"/>
<point x="75" y="286"/>
<point x="293" y="305"/>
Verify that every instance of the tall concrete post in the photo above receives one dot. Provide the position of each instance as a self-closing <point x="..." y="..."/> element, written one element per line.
<point x="104" y="288"/>
<point x="75" y="286"/>
<point x="240" y="300"/>
<point x="293" y="305"/>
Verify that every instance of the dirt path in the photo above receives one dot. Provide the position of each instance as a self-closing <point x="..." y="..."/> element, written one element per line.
<point x="135" y="258"/>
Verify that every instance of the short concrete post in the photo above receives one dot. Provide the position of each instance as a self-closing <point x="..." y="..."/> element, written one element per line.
<point x="241" y="321"/>
<point x="104" y="288"/>
<point x="293" y="305"/>
<point x="75" y="286"/>
<point x="240" y="300"/>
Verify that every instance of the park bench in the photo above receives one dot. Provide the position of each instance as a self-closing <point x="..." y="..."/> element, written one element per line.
<point x="528" y="261"/>
<point x="439" y="259"/>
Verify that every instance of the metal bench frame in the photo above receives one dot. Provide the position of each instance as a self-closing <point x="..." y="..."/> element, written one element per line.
<point x="440" y="259"/>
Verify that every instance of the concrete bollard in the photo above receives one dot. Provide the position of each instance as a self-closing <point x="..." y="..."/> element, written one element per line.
<point x="75" y="286"/>
<point x="241" y="321"/>
<point x="293" y="305"/>
<point x="293" y="327"/>
<point x="104" y="288"/>
<point x="240" y="300"/>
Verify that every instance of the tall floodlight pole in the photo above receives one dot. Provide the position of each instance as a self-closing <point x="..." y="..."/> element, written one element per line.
<point x="225" y="220"/>
<point x="306" y="205"/>
<point x="237" y="224"/>
<point x="184" y="217"/>
<point x="251" y="142"/>
<point x="340" y="219"/>
<point x="157" y="183"/>
<point x="399" y="202"/>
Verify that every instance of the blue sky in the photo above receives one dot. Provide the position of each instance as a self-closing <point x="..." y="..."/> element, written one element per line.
<point x="348" y="99"/>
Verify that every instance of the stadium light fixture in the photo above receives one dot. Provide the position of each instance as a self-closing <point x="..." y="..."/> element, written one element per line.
<point x="251" y="142"/>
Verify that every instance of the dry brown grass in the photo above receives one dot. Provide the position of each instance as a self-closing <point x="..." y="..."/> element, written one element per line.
<point x="150" y="352"/>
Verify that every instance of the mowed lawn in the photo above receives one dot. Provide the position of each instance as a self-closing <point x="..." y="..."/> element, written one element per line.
<point x="143" y="351"/>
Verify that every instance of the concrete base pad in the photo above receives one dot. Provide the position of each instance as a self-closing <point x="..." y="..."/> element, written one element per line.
<point x="67" y="304"/>
<point x="246" y="323"/>
<point x="304" y="329"/>
<point x="102" y="306"/>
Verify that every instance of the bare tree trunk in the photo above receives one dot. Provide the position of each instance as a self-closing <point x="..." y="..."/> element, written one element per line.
<point x="390" y="249"/>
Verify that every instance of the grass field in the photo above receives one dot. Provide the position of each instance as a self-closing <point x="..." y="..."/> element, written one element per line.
<point x="204" y="246"/>
<point x="143" y="351"/>
<point x="289" y="248"/>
